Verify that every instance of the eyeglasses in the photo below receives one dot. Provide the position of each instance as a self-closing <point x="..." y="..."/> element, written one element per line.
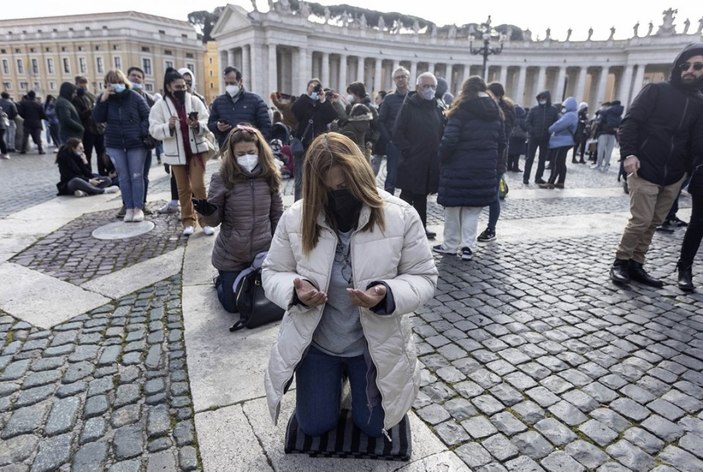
<point x="687" y="65"/>
<point x="428" y="86"/>
<point x="398" y="77"/>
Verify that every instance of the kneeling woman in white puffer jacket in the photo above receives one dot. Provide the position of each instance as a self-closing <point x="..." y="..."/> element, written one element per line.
<point x="349" y="262"/>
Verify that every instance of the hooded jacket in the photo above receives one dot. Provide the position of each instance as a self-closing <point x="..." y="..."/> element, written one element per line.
<point x="663" y="126"/>
<point x="610" y="119"/>
<point x="399" y="257"/>
<point x="541" y="117"/>
<point x="564" y="129"/>
<point x="70" y="125"/>
<point x="469" y="154"/>
<point x="418" y="130"/>
<point x="185" y="70"/>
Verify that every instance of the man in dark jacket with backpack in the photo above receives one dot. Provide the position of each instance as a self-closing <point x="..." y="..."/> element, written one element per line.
<point x="660" y="136"/>
<point x="538" y="121"/>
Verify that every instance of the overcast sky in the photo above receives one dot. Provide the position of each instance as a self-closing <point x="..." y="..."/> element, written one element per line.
<point x="537" y="15"/>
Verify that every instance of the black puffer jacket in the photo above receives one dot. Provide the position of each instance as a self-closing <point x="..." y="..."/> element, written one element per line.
<point x="418" y="131"/>
<point x="541" y="117"/>
<point x="32" y="113"/>
<point x="127" y="118"/>
<point x="664" y="126"/>
<point x="469" y="154"/>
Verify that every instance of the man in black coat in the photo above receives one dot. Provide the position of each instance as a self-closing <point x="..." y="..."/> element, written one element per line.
<point x="660" y="136"/>
<point x="538" y="121"/>
<point x="32" y="113"/>
<point x="387" y="115"/>
<point x="418" y="131"/>
<point x="84" y="101"/>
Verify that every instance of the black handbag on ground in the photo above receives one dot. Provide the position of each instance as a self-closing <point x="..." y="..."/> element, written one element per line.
<point x="254" y="308"/>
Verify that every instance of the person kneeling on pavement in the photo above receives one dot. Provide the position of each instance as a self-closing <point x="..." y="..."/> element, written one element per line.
<point x="76" y="178"/>
<point x="245" y="198"/>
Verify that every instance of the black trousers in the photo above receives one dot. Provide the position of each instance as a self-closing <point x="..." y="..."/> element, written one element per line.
<point x="694" y="232"/>
<point x="558" y="158"/>
<point x="95" y="141"/>
<point x="35" y="133"/>
<point x="532" y="145"/>
<point x="418" y="201"/>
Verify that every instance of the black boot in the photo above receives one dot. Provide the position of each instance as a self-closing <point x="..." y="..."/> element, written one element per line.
<point x="638" y="274"/>
<point x="620" y="271"/>
<point x="685" y="277"/>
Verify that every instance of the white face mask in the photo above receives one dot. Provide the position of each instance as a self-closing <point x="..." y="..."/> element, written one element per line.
<point x="350" y="98"/>
<point x="232" y="90"/>
<point x="248" y="161"/>
<point x="137" y="86"/>
<point x="428" y="93"/>
<point x="542" y="102"/>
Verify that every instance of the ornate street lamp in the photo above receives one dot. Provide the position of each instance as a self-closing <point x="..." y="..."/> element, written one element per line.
<point x="487" y="34"/>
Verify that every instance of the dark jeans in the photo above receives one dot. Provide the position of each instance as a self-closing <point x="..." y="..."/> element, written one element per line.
<point x="558" y="174"/>
<point x="494" y="208"/>
<point x="54" y="133"/>
<point x="225" y="290"/>
<point x="418" y="201"/>
<point x="579" y="148"/>
<point x="95" y="141"/>
<point x="298" y="176"/>
<point x="532" y="145"/>
<point x="694" y="232"/>
<point x="77" y="183"/>
<point x="392" y="157"/>
<point x="147" y="166"/>
<point x="36" y="137"/>
<point x="513" y="162"/>
<point x="3" y="147"/>
<point x="318" y="381"/>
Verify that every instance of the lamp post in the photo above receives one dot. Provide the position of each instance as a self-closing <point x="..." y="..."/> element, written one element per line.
<point x="486" y="34"/>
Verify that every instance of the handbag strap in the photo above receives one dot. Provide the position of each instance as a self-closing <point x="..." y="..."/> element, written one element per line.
<point x="236" y="326"/>
<point x="305" y="132"/>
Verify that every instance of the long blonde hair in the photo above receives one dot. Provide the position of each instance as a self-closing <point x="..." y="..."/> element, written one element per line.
<point x="230" y="170"/>
<point x="336" y="150"/>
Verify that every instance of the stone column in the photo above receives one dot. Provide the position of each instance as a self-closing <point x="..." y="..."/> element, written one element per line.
<point x="377" y="75"/>
<point x="431" y="67"/>
<point x="541" y="78"/>
<point x="521" y="78"/>
<point x="230" y="59"/>
<point x="413" y="75"/>
<point x="223" y="64"/>
<point x="325" y="69"/>
<point x="637" y="83"/>
<point x="246" y="64"/>
<point x="580" y="84"/>
<point x="272" y="70"/>
<point x="560" y="83"/>
<point x="504" y="76"/>
<point x="396" y="64"/>
<point x="466" y="74"/>
<point x="450" y="78"/>
<point x="302" y="70"/>
<point x="626" y="85"/>
<point x="343" y="73"/>
<point x="602" y="83"/>
<point x="361" y="70"/>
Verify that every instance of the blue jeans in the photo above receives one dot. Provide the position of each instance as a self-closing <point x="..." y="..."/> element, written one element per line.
<point x="130" y="172"/>
<point x="225" y="290"/>
<point x="392" y="157"/>
<point x="147" y="166"/>
<point x="318" y="380"/>
<point x="494" y="208"/>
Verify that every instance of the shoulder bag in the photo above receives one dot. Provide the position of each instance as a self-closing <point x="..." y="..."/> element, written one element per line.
<point x="254" y="308"/>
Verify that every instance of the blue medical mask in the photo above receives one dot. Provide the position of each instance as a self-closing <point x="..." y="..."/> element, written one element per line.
<point x="137" y="86"/>
<point x="118" y="88"/>
<point x="315" y="96"/>
<point x="428" y="93"/>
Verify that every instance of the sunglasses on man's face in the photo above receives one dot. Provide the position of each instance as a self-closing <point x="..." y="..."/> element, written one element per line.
<point x="687" y="65"/>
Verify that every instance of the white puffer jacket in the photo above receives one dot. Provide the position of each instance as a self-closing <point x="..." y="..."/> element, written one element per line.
<point x="174" y="153"/>
<point x="399" y="256"/>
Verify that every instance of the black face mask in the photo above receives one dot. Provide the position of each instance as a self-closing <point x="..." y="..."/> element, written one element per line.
<point x="80" y="92"/>
<point x="180" y="95"/>
<point x="344" y="207"/>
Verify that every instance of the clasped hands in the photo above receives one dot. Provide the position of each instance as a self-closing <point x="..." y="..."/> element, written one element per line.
<point x="204" y="207"/>
<point x="310" y="296"/>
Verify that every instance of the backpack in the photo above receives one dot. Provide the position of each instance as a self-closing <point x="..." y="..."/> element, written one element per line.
<point x="254" y="308"/>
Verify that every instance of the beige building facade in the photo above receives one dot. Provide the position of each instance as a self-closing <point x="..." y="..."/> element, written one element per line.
<point x="211" y="80"/>
<point x="283" y="48"/>
<point x="41" y="53"/>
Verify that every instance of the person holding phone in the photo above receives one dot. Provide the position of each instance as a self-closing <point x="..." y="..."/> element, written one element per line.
<point x="179" y="120"/>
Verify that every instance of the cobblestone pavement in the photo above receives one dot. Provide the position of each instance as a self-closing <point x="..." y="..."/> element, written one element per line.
<point x="531" y="359"/>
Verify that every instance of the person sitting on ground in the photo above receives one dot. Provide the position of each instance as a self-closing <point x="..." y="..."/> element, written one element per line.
<point x="245" y="198"/>
<point x="76" y="178"/>
<point x="349" y="263"/>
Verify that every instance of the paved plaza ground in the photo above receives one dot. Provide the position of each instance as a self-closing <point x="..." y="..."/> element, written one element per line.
<point x="115" y="355"/>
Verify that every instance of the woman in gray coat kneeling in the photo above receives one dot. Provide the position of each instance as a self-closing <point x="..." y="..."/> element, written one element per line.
<point x="349" y="262"/>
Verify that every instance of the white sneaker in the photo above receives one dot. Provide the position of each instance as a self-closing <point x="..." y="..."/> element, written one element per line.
<point x="169" y="207"/>
<point x="80" y="193"/>
<point x="138" y="215"/>
<point x="112" y="189"/>
<point x="188" y="230"/>
<point x="5" y="156"/>
<point x="129" y="215"/>
<point x="208" y="230"/>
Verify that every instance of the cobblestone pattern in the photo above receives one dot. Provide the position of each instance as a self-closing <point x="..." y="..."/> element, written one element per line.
<point x="73" y="255"/>
<point x="106" y="390"/>
<point x="534" y="361"/>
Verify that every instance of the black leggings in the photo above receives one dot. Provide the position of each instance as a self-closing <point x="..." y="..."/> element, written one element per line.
<point x="418" y="201"/>
<point x="558" y="158"/>
<point x="77" y="183"/>
<point x="694" y="232"/>
<point x="3" y="148"/>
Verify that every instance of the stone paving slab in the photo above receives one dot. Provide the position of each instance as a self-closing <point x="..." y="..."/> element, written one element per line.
<point x="42" y="300"/>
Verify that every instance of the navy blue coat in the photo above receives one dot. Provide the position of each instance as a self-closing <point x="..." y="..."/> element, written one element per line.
<point x="469" y="155"/>
<point x="246" y="107"/>
<point x="127" y="118"/>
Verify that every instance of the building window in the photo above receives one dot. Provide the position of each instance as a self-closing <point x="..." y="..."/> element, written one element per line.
<point x="37" y="86"/>
<point x="6" y="66"/>
<point x="189" y="55"/>
<point x="20" y="66"/>
<point x="18" y="51"/>
<point x="80" y="48"/>
<point x="66" y="65"/>
<point x="210" y="73"/>
<point x="210" y="60"/>
<point x="63" y="49"/>
<point x="82" y="67"/>
<point x="118" y="62"/>
<point x="212" y="86"/>
<point x="115" y="47"/>
<point x="99" y="65"/>
<point x="168" y="52"/>
<point x="35" y="66"/>
<point x="47" y="49"/>
<point x="24" y="86"/>
<point x="97" y="48"/>
<point x="7" y="85"/>
<point x="146" y="65"/>
<point x="191" y="67"/>
<point x="31" y="49"/>
<point x="50" y="65"/>
<point x="52" y="85"/>
<point x="149" y="87"/>
<point x="168" y="64"/>
<point x="145" y="49"/>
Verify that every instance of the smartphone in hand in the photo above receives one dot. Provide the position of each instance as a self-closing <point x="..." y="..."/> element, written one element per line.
<point x="193" y="115"/>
